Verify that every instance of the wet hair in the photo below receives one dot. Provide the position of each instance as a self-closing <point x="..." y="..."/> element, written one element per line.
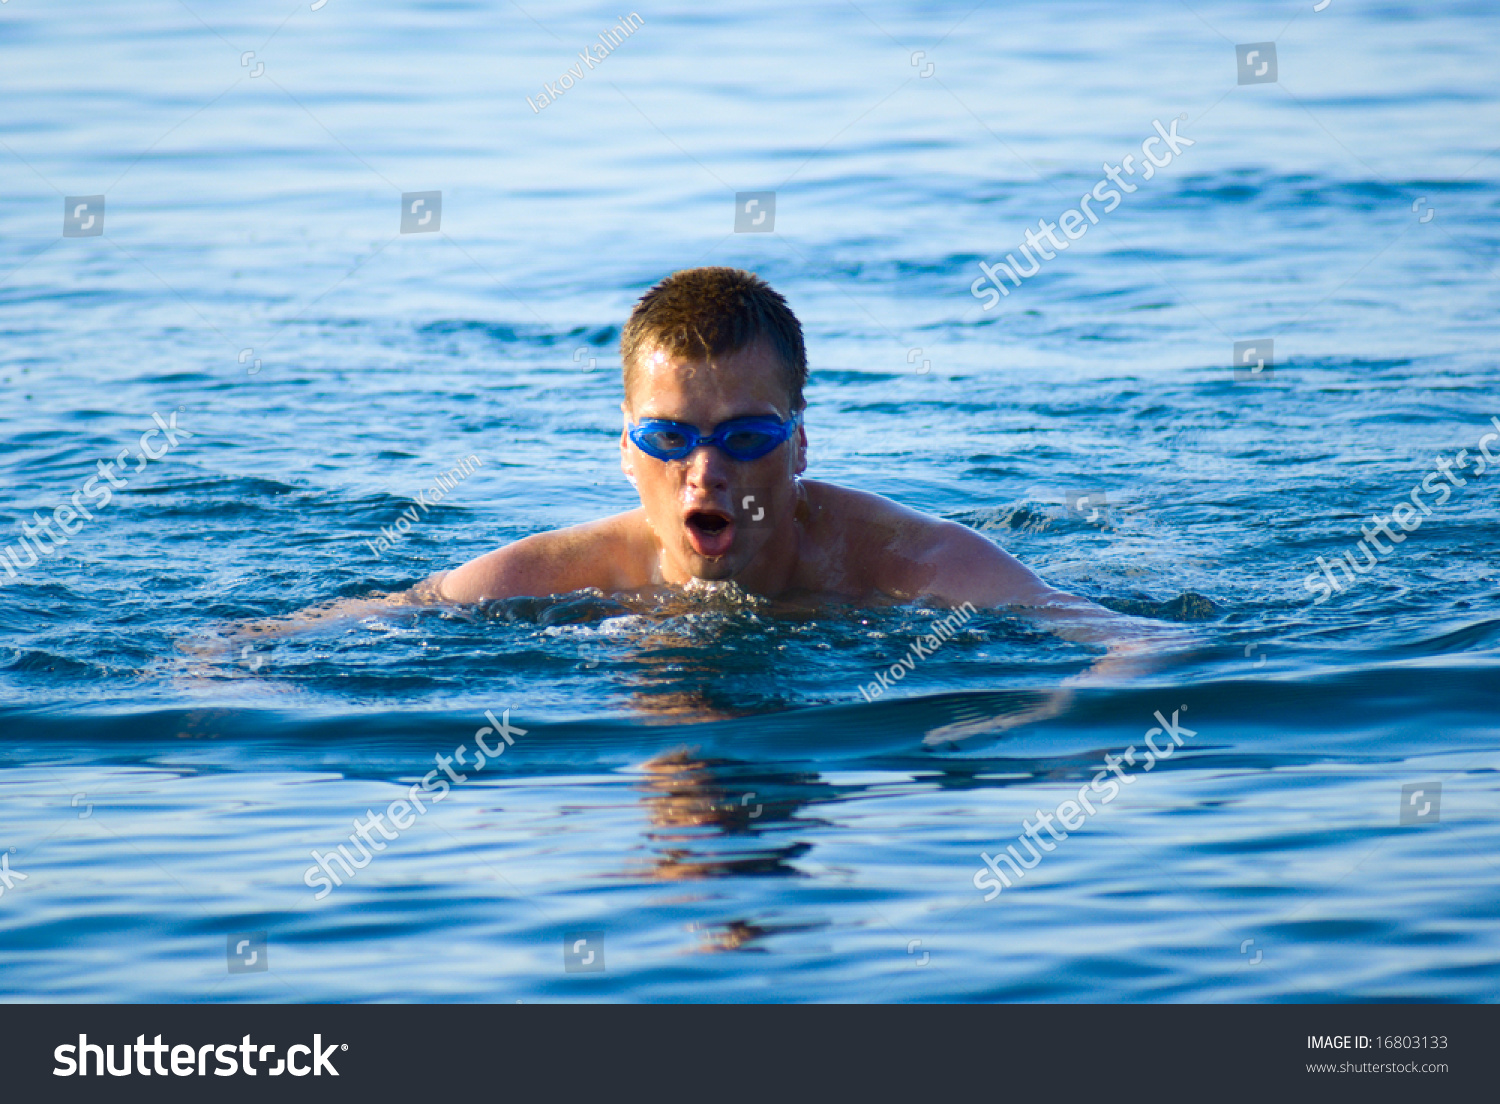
<point x="705" y="313"/>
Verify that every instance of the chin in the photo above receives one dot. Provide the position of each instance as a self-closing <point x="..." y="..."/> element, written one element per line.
<point x="715" y="570"/>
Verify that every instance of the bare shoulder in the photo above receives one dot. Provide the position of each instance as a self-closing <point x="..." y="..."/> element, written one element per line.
<point x="907" y="554"/>
<point x="611" y="554"/>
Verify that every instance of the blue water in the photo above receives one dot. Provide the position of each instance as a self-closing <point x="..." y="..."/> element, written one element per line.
<point x="700" y="779"/>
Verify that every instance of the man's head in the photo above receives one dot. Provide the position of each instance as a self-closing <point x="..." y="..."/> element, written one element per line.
<point x="704" y="314"/>
<point x="704" y="347"/>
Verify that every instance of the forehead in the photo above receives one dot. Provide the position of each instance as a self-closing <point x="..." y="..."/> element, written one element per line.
<point x="749" y="381"/>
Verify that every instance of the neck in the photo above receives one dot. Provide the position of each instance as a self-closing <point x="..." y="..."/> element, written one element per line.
<point x="772" y="573"/>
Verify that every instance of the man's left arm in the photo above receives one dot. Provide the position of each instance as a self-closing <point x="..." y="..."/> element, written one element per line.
<point x="954" y="565"/>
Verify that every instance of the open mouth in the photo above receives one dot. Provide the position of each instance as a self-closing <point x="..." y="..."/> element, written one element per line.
<point x="707" y="522"/>
<point x="710" y="532"/>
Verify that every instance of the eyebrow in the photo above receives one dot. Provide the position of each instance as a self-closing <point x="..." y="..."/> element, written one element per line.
<point x="773" y="416"/>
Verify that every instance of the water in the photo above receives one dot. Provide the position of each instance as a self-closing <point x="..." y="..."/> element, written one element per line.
<point x="702" y="781"/>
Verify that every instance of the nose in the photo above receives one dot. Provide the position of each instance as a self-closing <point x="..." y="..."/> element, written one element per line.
<point x="708" y="469"/>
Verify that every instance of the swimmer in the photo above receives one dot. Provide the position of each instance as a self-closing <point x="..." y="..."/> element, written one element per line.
<point x="714" y="439"/>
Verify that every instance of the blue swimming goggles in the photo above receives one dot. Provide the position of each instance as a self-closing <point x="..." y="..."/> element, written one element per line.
<point x="739" y="438"/>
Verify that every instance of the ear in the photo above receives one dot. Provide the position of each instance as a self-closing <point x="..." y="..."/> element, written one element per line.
<point x="627" y="451"/>
<point x="801" y="460"/>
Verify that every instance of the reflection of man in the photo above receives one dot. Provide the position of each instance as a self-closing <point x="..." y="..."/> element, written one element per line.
<point x="685" y="795"/>
<point x="714" y="441"/>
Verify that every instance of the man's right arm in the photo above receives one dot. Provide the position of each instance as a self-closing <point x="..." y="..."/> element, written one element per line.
<point x="597" y="554"/>
<point x="517" y="569"/>
<point x="593" y="554"/>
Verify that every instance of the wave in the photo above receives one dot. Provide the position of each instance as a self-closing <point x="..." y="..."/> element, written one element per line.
<point x="1382" y="710"/>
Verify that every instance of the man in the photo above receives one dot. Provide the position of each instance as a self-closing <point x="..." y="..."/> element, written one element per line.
<point x="713" y="439"/>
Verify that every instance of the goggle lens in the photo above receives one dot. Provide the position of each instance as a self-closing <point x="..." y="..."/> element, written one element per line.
<point x="741" y="438"/>
<point x="748" y="444"/>
<point x="668" y="442"/>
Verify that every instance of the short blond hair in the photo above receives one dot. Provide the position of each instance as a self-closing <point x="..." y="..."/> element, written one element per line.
<point x="704" y="313"/>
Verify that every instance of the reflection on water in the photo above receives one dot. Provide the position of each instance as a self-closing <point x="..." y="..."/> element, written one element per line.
<point x="736" y="935"/>
<point x="710" y="817"/>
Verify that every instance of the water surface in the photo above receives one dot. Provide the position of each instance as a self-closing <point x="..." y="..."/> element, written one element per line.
<point x="705" y="784"/>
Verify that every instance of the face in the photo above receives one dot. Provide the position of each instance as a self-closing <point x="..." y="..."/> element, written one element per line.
<point x="715" y="517"/>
